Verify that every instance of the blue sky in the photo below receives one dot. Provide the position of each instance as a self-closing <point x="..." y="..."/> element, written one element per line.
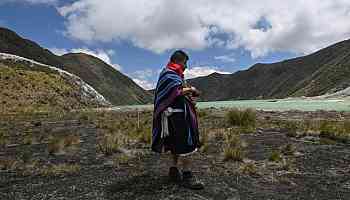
<point x="137" y="36"/>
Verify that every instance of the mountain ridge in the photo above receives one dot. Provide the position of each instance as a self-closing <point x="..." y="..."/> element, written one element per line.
<point x="115" y="86"/>
<point x="309" y="75"/>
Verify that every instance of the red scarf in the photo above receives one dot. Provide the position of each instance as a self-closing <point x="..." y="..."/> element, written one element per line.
<point x="179" y="69"/>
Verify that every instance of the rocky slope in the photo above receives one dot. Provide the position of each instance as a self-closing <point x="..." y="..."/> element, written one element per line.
<point x="28" y="86"/>
<point x="325" y="71"/>
<point x="116" y="87"/>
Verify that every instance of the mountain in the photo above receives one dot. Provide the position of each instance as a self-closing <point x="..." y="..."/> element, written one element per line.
<point x="325" y="71"/>
<point x="27" y="85"/>
<point x="12" y="43"/>
<point x="116" y="87"/>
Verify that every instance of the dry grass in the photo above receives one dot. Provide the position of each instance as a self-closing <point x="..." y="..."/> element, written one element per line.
<point x="242" y="118"/>
<point x="144" y="134"/>
<point x="8" y="164"/>
<point x="233" y="147"/>
<point x="56" y="145"/>
<point x="72" y="139"/>
<point x="287" y="165"/>
<point x="334" y="130"/>
<point x="121" y="159"/>
<point x="29" y="139"/>
<point x="249" y="168"/>
<point x="3" y="139"/>
<point x="204" y="140"/>
<point x="288" y="149"/>
<point x="60" y="169"/>
<point x="109" y="144"/>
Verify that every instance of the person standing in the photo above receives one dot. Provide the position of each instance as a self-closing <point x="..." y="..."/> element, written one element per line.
<point x="175" y="124"/>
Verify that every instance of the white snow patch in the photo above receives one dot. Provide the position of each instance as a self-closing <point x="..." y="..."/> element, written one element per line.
<point x="87" y="90"/>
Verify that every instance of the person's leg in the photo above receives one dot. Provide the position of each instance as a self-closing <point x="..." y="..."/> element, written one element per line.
<point x="174" y="173"/>
<point x="189" y="181"/>
<point x="186" y="163"/>
<point x="175" y="159"/>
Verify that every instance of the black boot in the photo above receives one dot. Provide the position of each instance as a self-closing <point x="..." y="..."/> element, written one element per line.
<point x="190" y="182"/>
<point x="174" y="175"/>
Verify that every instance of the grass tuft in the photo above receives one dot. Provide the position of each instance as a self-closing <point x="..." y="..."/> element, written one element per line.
<point x="288" y="149"/>
<point x="109" y="144"/>
<point x="249" y="168"/>
<point x="275" y="156"/>
<point x="233" y="148"/>
<point x="56" y="145"/>
<point x="3" y="139"/>
<point x="8" y="164"/>
<point x="121" y="159"/>
<point x="60" y="169"/>
<point x="242" y="118"/>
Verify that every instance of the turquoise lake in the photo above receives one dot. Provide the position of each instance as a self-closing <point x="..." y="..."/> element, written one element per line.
<point x="269" y="105"/>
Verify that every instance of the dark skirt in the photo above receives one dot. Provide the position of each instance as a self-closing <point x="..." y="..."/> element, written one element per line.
<point x="183" y="138"/>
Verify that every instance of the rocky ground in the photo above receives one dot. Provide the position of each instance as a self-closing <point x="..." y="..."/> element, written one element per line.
<point x="312" y="170"/>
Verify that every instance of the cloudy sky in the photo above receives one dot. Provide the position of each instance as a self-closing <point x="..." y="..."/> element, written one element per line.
<point x="137" y="36"/>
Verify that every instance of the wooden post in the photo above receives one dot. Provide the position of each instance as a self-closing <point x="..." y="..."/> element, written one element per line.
<point x="138" y="119"/>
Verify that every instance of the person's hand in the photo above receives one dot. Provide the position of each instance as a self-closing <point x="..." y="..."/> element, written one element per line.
<point x="186" y="91"/>
<point x="195" y="92"/>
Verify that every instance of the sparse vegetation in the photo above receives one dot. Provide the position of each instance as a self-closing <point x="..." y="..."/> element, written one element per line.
<point x="334" y="130"/>
<point x="3" y="139"/>
<point x="109" y="144"/>
<point x="60" y="169"/>
<point x="233" y="148"/>
<point x="243" y="118"/>
<point x="56" y="145"/>
<point x="121" y="159"/>
<point x="204" y="140"/>
<point x="288" y="149"/>
<point x="249" y="168"/>
<point x="291" y="127"/>
<point x="275" y="156"/>
<point x="71" y="139"/>
<point x="287" y="165"/>
<point x="144" y="134"/>
<point x="8" y="164"/>
<point x="29" y="139"/>
<point x="27" y="90"/>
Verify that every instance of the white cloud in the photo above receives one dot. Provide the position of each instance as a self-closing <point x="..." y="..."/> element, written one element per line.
<point x="59" y="51"/>
<point x="145" y="78"/>
<point x="104" y="55"/>
<point x="300" y="26"/>
<point x="202" y="71"/>
<point x="145" y="84"/>
<point x="226" y="58"/>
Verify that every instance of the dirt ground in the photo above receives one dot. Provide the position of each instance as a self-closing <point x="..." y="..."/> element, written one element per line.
<point x="314" y="171"/>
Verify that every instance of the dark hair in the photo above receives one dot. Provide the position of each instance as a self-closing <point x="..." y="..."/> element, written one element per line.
<point x="179" y="56"/>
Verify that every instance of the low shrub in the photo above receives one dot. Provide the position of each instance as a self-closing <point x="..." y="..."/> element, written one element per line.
<point x="243" y="118"/>
<point x="275" y="156"/>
